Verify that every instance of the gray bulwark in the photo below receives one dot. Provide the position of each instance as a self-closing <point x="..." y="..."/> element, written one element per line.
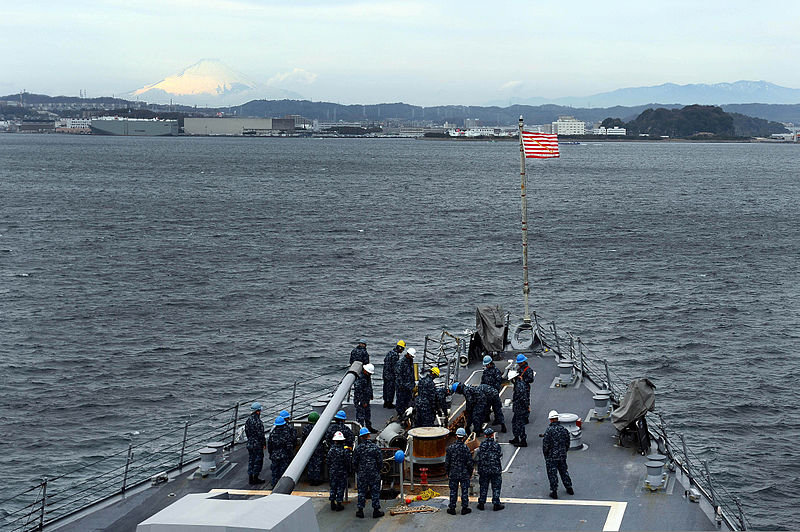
<point x="207" y="512"/>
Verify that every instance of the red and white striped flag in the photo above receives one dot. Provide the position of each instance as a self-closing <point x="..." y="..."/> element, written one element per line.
<point x="539" y="145"/>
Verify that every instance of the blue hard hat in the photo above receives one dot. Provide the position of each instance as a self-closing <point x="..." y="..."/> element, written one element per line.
<point x="340" y="415"/>
<point x="454" y="387"/>
<point x="362" y="341"/>
<point x="521" y="358"/>
<point x="487" y="360"/>
<point x="279" y="421"/>
<point x="363" y="432"/>
<point x="255" y="406"/>
<point x="284" y="414"/>
<point x="461" y="433"/>
<point x="489" y="430"/>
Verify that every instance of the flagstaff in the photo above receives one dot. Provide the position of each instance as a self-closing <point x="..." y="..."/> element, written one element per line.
<point x="526" y="289"/>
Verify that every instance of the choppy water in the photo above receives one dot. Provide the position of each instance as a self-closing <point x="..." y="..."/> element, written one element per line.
<point x="143" y="278"/>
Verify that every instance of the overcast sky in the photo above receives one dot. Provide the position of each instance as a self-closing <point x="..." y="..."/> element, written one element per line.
<point x="424" y="53"/>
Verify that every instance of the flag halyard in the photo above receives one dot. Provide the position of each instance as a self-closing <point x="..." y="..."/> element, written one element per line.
<point x="540" y="145"/>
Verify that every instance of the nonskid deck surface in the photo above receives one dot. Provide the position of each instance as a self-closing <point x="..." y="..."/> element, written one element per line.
<point x="608" y="481"/>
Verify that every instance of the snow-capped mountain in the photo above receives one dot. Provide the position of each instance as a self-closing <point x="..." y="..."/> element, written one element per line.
<point x="211" y="83"/>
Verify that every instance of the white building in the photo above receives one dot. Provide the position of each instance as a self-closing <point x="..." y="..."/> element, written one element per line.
<point x="567" y="125"/>
<point x="618" y="131"/>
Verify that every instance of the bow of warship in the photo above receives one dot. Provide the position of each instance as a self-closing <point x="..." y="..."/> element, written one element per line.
<point x="196" y="478"/>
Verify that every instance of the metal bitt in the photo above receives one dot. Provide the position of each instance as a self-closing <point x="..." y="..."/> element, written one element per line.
<point x="289" y="479"/>
<point x="523" y="193"/>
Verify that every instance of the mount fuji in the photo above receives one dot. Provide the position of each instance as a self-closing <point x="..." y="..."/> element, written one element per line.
<point x="209" y="83"/>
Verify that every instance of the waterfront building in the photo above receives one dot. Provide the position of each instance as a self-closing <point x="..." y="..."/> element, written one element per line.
<point x="236" y="127"/>
<point x="567" y="125"/>
<point x="610" y="131"/>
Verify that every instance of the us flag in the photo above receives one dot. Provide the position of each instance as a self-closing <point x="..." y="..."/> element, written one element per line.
<point x="539" y="145"/>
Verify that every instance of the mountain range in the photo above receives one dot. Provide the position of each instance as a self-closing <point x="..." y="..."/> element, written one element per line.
<point x="739" y="92"/>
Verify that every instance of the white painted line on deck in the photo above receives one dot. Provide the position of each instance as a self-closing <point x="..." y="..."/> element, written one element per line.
<point x="512" y="460"/>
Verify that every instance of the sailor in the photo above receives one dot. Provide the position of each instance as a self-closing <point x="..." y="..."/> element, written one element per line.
<point x="527" y="374"/>
<point x="458" y="466"/>
<point x="338" y="458"/>
<point x="362" y="395"/>
<point x="359" y="353"/>
<point x="367" y="463"/>
<point x="404" y="381"/>
<point x="427" y="402"/>
<point x="491" y="375"/>
<point x="555" y="446"/>
<point x="280" y="445"/>
<point x="389" y="373"/>
<point x="256" y="443"/>
<point x="491" y="399"/>
<point x="474" y="405"/>
<point x="490" y="469"/>
<point x="520" y="409"/>
<point x="338" y="425"/>
<point x="314" y="468"/>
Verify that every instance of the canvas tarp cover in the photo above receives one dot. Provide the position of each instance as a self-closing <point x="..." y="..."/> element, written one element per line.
<point x="491" y="325"/>
<point x="639" y="399"/>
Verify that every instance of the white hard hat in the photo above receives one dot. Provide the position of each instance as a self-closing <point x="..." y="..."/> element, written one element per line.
<point x="369" y="368"/>
<point x="553" y="415"/>
<point x="411" y="351"/>
<point x="512" y="373"/>
<point x="338" y="436"/>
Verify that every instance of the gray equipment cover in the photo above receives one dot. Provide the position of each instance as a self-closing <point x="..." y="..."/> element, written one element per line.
<point x="639" y="399"/>
<point x="491" y="325"/>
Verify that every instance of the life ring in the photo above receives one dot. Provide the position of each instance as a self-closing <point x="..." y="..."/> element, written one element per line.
<point x="522" y="345"/>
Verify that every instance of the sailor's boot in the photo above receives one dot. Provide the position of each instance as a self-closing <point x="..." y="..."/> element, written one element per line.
<point x="503" y="428"/>
<point x="553" y="495"/>
<point x="360" y="513"/>
<point x="523" y="443"/>
<point x="377" y="513"/>
<point x="481" y="507"/>
<point x="513" y="441"/>
<point x="498" y="507"/>
<point x="466" y="510"/>
<point x="333" y="506"/>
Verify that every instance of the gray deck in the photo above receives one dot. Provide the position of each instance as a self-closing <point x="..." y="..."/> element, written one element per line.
<point x="607" y="479"/>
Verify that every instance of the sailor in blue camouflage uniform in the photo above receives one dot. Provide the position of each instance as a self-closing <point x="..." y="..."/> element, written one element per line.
<point x="554" y="447"/>
<point x="359" y="353"/>
<point x="491" y="375"/>
<point x="337" y="425"/>
<point x="362" y="395"/>
<point x="491" y="399"/>
<point x="339" y="458"/>
<point x="280" y="444"/>
<point x="314" y="467"/>
<point x="475" y="405"/>
<point x="404" y="381"/>
<point x="389" y="373"/>
<point x="367" y="463"/>
<point x="527" y="374"/>
<point x="256" y="443"/>
<point x="520" y="409"/>
<point x="458" y="466"/>
<point x="490" y="469"/>
<point x="427" y="402"/>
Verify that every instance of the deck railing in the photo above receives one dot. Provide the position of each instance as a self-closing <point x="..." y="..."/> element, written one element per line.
<point x="137" y="463"/>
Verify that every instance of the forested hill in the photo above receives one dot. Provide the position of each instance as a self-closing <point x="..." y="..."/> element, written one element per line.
<point x="696" y="120"/>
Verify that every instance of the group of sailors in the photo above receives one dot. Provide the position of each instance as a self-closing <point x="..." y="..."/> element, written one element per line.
<point x="401" y="390"/>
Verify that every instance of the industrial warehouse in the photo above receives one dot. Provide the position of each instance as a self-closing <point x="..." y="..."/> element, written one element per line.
<point x="239" y="126"/>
